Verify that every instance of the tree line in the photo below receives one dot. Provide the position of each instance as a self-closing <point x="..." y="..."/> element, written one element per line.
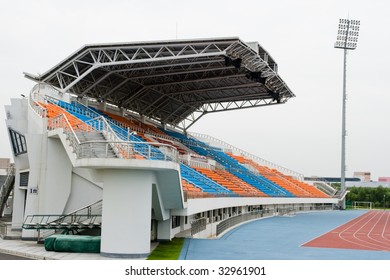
<point x="379" y="196"/>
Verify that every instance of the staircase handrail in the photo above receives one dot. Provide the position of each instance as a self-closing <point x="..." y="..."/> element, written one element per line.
<point x="59" y="218"/>
<point x="106" y="128"/>
<point x="125" y="126"/>
<point x="50" y="221"/>
<point x="108" y="132"/>
<point x="114" y="138"/>
<point x="110" y="121"/>
<point x="88" y="207"/>
<point x="119" y="146"/>
<point x="125" y="147"/>
<point x="61" y="121"/>
<point x="128" y="151"/>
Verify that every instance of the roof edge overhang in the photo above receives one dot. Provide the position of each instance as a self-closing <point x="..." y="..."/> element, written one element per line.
<point x="86" y="47"/>
<point x="251" y="58"/>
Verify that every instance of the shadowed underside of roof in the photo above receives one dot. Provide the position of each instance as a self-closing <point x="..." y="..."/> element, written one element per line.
<point x="173" y="82"/>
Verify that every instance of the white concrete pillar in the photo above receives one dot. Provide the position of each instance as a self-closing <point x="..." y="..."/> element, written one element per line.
<point x="164" y="230"/>
<point x="126" y="214"/>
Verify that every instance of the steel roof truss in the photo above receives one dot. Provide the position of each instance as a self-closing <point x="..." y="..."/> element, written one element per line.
<point x="175" y="82"/>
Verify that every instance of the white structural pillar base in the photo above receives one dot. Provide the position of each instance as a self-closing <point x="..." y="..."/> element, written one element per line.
<point x="126" y="214"/>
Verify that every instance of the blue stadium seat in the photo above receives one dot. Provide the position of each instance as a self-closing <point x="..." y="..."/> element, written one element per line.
<point x="232" y="165"/>
<point x="203" y="182"/>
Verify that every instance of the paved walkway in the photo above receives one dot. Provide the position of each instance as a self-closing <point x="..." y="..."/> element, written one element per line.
<point x="279" y="238"/>
<point x="33" y="250"/>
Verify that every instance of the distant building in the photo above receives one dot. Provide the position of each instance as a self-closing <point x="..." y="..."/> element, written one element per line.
<point x="363" y="176"/>
<point x="331" y="179"/>
<point x="359" y="179"/>
<point x="384" y="179"/>
<point x="5" y="163"/>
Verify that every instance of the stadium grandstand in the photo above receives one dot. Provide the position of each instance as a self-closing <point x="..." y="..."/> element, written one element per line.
<point x="102" y="144"/>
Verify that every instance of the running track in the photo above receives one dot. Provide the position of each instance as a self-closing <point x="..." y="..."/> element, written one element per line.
<point x="370" y="231"/>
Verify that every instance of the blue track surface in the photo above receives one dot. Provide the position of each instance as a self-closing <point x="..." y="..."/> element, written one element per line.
<point x="279" y="238"/>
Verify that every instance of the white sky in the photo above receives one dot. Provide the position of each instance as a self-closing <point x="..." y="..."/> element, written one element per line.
<point x="303" y="135"/>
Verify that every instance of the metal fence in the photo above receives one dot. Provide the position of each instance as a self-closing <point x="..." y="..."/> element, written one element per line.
<point x="233" y="221"/>
<point x="123" y="149"/>
<point x="198" y="226"/>
<point x="62" y="221"/>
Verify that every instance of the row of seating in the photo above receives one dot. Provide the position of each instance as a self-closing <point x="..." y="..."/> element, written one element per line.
<point x="203" y="182"/>
<point x="233" y="166"/>
<point x="90" y="114"/>
<point x="188" y="187"/>
<point x="270" y="175"/>
<point x="236" y="179"/>
<point x="193" y="177"/>
<point x="230" y="182"/>
<point x="55" y="111"/>
<point x="133" y="124"/>
<point x="281" y="182"/>
<point x="298" y="188"/>
<point x="147" y="132"/>
<point x="311" y="189"/>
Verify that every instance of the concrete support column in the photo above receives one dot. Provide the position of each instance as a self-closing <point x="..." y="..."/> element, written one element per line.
<point x="164" y="230"/>
<point x="126" y="214"/>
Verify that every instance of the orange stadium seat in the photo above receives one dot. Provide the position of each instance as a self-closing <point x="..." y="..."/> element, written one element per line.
<point x="296" y="187"/>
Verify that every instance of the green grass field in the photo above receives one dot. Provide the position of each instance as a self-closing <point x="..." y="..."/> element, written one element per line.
<point x="167" y="250"/>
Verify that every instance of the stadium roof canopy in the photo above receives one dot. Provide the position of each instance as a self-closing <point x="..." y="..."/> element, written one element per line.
<point x="173" y="82"/>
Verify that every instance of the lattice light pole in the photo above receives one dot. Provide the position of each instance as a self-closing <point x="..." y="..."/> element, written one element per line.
<point x="347" y="39"/>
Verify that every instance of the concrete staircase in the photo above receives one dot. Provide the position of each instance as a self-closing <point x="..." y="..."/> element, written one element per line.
<point x="97" y="147"/>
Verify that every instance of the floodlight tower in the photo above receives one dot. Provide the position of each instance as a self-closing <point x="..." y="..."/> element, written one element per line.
<point x="347" y="38"/>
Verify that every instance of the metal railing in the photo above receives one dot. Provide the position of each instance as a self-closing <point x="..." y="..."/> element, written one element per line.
<point x="123" y="149"/>
<point x="101" y="124"/>
<point x="86" y="217"/>
<point x="198" y="225"/>
<point x="61" y="121"/>
<point x="194" y="162"/>
<point x="34" y="104"/>
<point x="233" y="221"/>
<point x="62" y="221"/>
<point x="257" y="159"/>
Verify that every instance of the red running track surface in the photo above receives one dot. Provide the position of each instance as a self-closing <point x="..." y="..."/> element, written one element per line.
<point x="370" y="231"/>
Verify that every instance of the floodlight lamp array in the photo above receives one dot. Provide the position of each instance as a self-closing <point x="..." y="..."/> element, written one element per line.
<point x="348" y="34"/>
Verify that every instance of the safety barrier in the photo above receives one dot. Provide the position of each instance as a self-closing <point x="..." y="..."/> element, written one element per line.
<point x="233" y="221"/>
<point x="198" y="226"/>
<point x="123" y="149"/>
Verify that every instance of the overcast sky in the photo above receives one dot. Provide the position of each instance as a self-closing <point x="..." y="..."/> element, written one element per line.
<point x="303" y="135"/>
